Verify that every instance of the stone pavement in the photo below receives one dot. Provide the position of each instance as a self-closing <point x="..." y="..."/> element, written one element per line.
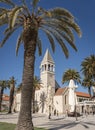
<point x="56" y="122"/>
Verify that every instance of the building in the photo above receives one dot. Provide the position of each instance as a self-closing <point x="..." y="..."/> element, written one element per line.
<point x="5" y="102"/>
<point x="51" y="98"/>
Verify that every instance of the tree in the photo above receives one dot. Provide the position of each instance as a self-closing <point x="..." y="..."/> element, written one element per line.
<point x="11" y="85"/>
<point x="3" y="85"/>
<point x="88" y="83"/>
<point x="71" y="74"/>
<point x="57" y="23"/>
<point x="88" y="67"/>
<point x="88" y="70"/>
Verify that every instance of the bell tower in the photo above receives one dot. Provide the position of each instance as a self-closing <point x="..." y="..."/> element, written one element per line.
<point x="47" y="72"/>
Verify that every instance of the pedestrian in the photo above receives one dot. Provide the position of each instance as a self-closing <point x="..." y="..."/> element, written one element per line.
<point x="49" y="117"/>
<point x="57" y="113"/>
<point x="54" y="112"/>
<point x="66" y="114"/>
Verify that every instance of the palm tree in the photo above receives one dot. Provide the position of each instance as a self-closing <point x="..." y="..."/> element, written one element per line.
<point x="88" y="83"/>
<point x="57" y="23"/>
<point x="88" y="67"/>
<point x="11" y="85"/>
<point x="3" y="85"/>
<point x="74" y="75"/>
<point x="88" y="70"/>
<point x="71" y="74"/>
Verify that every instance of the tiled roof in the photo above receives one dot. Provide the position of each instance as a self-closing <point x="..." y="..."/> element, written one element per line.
<point x="81" y="94"/>
<point x="5" y="97"/>
<point x="60" y="91"/>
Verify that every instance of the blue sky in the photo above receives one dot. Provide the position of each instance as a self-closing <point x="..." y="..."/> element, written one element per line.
<point x="84" y="12"/>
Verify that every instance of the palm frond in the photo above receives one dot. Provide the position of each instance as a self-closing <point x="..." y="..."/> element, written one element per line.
<point x="3" y="19"/>
<point x="3" y="10"/>
<point x="41" y="11"/>
<point x="70" y="42"/>
<point x="3" y="84"/>
<point x="63" y="28"/>
<point x="64" y="18"/>
<point x="51" y="40"/>
<point x="66" y="27"/>
<point x="9" y="2"/>
<point x="7" y="37"/>
<point x="71" y="74"/>
<point x="12" y="80"/>
<point x="56" y="23"/>
<point x="7" y="30"/>
<point x="57" y="12"/>
<point x="26" y="7"/>
<point x="4" y="16"/>
<point x="88" y="67"/>
<point x="34" y="2"/>
<point x="64" y="36"/>
<point x="14" y="15"/>
<point x="68" y="32"/>
<point x="39" y="45"/>
<point x="60" y="41"/>
<point x="19" y="41"/>
<point x="75" y="27"/>
<point x="24" y="2"/>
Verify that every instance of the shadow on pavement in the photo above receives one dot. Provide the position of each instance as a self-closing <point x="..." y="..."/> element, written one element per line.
<point x="73" y="124"/>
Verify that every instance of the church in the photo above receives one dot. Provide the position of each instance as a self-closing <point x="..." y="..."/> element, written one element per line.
<point x="51" y="98"/>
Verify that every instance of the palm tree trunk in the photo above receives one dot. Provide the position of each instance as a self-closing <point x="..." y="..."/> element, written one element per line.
<point x="33" y="100"/>
<point x="25" y="115"/>
<point x="89" y="91"/>
<point x="11" y="97"/>
<point x="1" y="95"/>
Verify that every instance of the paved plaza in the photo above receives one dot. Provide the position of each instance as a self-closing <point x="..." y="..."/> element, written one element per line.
<point x="56" y="122"/>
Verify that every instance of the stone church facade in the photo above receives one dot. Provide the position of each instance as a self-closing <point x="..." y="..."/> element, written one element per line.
<point x="51" y="98"/>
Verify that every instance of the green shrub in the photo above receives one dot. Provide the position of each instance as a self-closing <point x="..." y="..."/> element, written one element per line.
<point x="8" y="126"/>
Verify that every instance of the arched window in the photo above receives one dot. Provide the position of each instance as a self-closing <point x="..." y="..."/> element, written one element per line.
<point x="42" y="68"/>
<point x="52" y="68"/>
<point x="48" y="67"/>
<point x="65" y="99"/>
<point x="45" y="67"/>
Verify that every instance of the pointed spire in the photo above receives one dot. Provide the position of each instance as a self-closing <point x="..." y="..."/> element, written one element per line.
<point x="71" y="84"/>
<point x="47" y="57"/>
